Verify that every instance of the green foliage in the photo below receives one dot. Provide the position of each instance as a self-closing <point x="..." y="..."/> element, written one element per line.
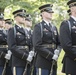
<point x="59" y="6"/>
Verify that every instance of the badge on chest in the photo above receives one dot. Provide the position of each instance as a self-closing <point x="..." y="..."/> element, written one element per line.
<point x="45" y="29"/>
<point x="18" y="33"/>
<point x="74" y="27"/>
<point x="55" y="32"/>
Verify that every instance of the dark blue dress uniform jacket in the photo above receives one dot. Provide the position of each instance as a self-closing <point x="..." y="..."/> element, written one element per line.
<point x="3" y="51"/>
<point x="20" y="39"/>
<point x="68" y="42"/>
<point x="41" y="37"/>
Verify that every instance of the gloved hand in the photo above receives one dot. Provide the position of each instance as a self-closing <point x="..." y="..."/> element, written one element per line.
<point x="30" y="56"/>
<point x="8" y="55"/>
<point x="56" y="51"/>
<point x="55" y="57"/>
<point x="56" y="54"/>
<point x="31" y="53"/>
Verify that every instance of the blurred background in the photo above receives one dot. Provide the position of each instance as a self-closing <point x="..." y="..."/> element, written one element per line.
<point x="59" y="6"/>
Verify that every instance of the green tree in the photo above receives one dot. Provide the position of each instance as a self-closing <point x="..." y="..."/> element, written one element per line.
<point x="59" y="6"/>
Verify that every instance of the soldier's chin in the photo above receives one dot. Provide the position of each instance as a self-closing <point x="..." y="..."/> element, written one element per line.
<point x="50" y="18"/>
<point x="21" y="23"/>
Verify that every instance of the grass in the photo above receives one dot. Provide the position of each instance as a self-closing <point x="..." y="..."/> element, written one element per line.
<point x="60" y="64"/>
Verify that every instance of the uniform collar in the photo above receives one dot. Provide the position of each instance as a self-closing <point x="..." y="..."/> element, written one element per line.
<point x="46" y="22"/>
<point x="28" y="28"/>
<point x="19" y="26"/>
<point x="74" y="18"/>
<point x="1" y="28"/>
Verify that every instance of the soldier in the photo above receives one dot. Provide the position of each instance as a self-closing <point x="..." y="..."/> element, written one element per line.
<point x="68" y="41"/>
<point x="3" y="43"/>
<point x="18" y="43"/>
<point x="8" y="25"/>
<point x="3" y="47"/>
<point x="45" y="42"/>
<point x="28" y="25"/>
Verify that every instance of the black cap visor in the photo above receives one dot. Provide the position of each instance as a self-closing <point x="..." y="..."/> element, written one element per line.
<point x="21" y="15"/>
<point x="48" y="9"/>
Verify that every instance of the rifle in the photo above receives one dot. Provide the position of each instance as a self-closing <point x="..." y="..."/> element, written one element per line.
<point x="4" y="69"/>
<point x="56" y="52"/>
<point x="53" y="63"/>
<point x="5" y="65"/>
<point x="25" y="70"/>
<point x="33" y="64"/>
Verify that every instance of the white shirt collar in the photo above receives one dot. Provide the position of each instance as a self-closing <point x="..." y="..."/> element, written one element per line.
<point x="19" y="26"/>
<point x="74" y="18"/>
<point x="28" y="28"/>
<point x="1" y="28"/>
<point x="47" y="22"/>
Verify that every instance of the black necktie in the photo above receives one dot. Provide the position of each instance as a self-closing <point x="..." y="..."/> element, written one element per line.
<point x="50" y="25"/>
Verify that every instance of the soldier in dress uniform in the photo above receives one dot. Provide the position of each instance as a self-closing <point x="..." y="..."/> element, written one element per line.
<point x="8" y="25"/>
<point x="3" y="47"/>
<point x="18" y="43"/>
<point x="28" y="25"/>
<point x="45" y="42"/>
<point x="69" y="13"/>
<point x="68" y="41"/>
<point x="3" y="43"/>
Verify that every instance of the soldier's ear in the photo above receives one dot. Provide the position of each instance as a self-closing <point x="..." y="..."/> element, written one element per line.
<point x="42" y="14"/>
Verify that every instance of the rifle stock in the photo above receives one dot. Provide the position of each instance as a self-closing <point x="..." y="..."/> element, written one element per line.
<point x="25" y="70"/>
<point x="4" y="69"/>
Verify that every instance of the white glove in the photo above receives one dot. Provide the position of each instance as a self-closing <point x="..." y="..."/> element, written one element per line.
<point x="31" y="53"/>
<point x="56" y="54"/>
<point x="55" y="57"/>
<point x="8" y="55"/>
<point x="9" y="52"/>
<point x="29" y="58"/>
